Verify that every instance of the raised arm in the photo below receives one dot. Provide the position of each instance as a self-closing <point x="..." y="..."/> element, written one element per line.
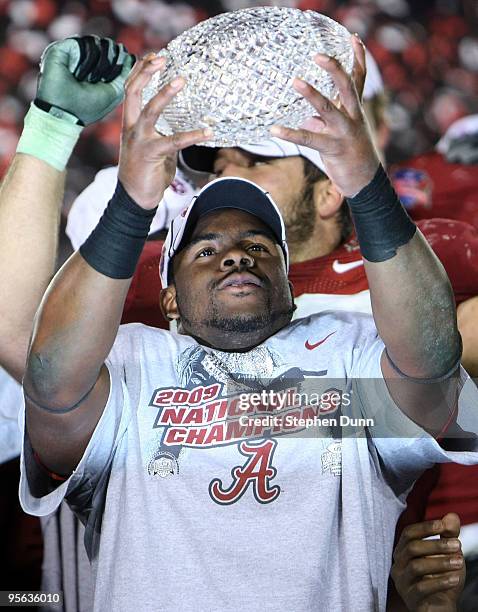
<point x="32" y="191"/>
<point x="412" y="300"/>
<point x="30" y="202"/>
<point x="66" y="384"/>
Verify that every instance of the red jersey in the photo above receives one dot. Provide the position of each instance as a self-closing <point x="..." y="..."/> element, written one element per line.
<point x="337" y="281"/>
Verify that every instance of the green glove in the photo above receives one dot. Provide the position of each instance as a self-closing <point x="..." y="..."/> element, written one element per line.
<point x="81" y="80"/>
<point x="83" y="76"/>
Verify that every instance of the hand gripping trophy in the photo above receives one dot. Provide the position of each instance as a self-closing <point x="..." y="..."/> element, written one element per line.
<point x="239" y="69"/>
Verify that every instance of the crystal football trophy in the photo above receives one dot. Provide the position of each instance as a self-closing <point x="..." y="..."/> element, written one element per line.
<point x="239" y="68"/>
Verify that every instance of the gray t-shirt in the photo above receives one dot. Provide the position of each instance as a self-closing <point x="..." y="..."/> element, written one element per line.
<point x="187" y="507"/>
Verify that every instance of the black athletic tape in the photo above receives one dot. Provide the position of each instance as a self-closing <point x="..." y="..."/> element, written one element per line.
<point x="59" y="410"/>
<point x="103" y="63"/>
<point x="114" y="246"/>
<point x="381" y="223"/>
<point x="89" y="54"/>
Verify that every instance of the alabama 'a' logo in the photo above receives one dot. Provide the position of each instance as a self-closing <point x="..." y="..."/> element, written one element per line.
<point x="257" y="470"/>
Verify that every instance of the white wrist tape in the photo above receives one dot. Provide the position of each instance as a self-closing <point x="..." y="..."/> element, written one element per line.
<point x="48" y="138"/>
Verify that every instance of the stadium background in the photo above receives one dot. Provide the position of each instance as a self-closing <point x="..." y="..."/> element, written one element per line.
<point x="427" y="52"/>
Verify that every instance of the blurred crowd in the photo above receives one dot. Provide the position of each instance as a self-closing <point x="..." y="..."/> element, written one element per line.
<point x="427" y="52"/>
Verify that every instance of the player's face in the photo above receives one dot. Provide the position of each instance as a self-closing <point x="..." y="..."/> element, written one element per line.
<point x="230" y="282"/>
<point x="282" y="177"/>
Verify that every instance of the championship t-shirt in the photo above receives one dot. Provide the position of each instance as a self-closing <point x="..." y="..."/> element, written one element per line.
<point x="338" y="282"/>
<point x="194" y="500"/>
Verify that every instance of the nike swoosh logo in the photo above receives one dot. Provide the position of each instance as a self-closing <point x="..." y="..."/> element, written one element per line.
<point x="340" y="268"/>
<point x="311" y="347"/>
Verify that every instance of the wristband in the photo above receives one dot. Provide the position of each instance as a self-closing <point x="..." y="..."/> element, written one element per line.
<point x="381" y="223"/>
<point x="48" y="138"/>
<point x="114" y="246"/>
